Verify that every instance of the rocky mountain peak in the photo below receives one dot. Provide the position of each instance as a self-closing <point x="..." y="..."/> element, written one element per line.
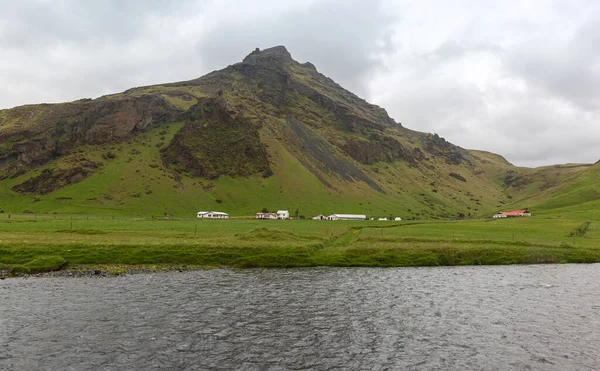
<point x="275" y="57"/>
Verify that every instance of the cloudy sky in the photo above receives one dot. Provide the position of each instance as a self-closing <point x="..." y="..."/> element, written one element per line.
<point x="519" y="78"/>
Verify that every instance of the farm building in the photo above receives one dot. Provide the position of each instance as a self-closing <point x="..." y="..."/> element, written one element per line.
<point x="283" y="214"/>
<point x="320" y="217"/>
<point x="397" y="218"/>
<point x="212" y="215"/>
<point x="512" y="214"/>
<point x="346" y="217"/>
<point x="266" y="215"/>
<point x="382" y="219"/>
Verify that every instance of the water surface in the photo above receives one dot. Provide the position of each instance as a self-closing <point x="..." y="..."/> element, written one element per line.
<point x="453" y="318"/>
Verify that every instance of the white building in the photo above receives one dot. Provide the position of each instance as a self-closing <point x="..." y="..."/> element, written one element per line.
<point x="382" y="219"/>
<point x="266" y="216"/>
<point x="397" y="218"/>
<point x="346" y="217"/>
<point x="212" y="215"/>
<point x="283" y="214"/>
<point x="320" y="217"/>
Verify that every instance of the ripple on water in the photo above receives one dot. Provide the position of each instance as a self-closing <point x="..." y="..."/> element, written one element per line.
<point x="494" y="318"/>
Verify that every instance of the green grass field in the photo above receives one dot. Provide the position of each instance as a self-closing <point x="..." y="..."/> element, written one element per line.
<point x="37" y="243"/>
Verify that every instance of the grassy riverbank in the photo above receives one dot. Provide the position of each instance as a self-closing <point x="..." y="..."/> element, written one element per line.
<point x="31" y="243"/>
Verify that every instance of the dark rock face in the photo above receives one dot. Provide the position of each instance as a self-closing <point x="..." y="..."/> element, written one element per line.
<point x="62" y="127"/>
<point x="377" y="149"/>
<point x="214" y="143"/>
<point x="323" y="154"/>
<point x="516" y="181"/>
<point x="438" y="146"/>
<point x="458" y="177"/>
<point x="113" y="121"/>
<point x="50" y="180"/>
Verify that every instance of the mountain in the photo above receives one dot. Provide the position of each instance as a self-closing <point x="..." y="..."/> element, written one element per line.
<point x="268" y="132"/>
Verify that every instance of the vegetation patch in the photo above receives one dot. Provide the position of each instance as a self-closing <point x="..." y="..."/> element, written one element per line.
<point x="46" y="264"/>
<point x="581" y="230"/>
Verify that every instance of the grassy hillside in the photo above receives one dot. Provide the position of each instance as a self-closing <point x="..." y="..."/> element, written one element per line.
<point x="577" y="195"/>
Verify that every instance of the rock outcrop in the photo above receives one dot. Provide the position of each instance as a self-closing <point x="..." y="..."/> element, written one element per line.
<point x="214" y="143"/>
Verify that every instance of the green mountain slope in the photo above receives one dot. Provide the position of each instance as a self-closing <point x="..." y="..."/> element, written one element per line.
<point x="265" y="132"/>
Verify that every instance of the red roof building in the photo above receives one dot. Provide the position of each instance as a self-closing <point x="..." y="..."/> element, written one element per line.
<point x="512" y="214"/>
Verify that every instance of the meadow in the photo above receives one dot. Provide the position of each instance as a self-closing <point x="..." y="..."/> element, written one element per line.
<point x="39" y="243"/>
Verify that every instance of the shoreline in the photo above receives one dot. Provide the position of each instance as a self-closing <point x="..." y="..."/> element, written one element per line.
<point x="105" y="271"/>
<point x="118" y="270"/>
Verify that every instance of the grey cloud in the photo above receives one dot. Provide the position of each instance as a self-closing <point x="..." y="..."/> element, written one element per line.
<point x="568" y="71"/>
<point x="31" y="24"/>
<point x="65" y="50"/>
<point x="342" y="38"/>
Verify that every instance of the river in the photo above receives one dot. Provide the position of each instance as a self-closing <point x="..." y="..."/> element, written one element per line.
<point x="544" y="317"/>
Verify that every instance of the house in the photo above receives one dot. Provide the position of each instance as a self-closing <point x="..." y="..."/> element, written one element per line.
<point x="212" y="215"/>
<point x="320" y="217"/>
<point x="346" y="217"/>
<point x="512" y="214"/>
<point x="266" y="215"/>
<point x="283" y="214"/>
<point x="397" y="218"/>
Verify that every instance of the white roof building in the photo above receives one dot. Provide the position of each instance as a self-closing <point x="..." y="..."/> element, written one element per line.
<point x="283" y="214"/>
<point x="212" y="215"/>
<point x="266" y="216"/>
<point x="346" y="217"/>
